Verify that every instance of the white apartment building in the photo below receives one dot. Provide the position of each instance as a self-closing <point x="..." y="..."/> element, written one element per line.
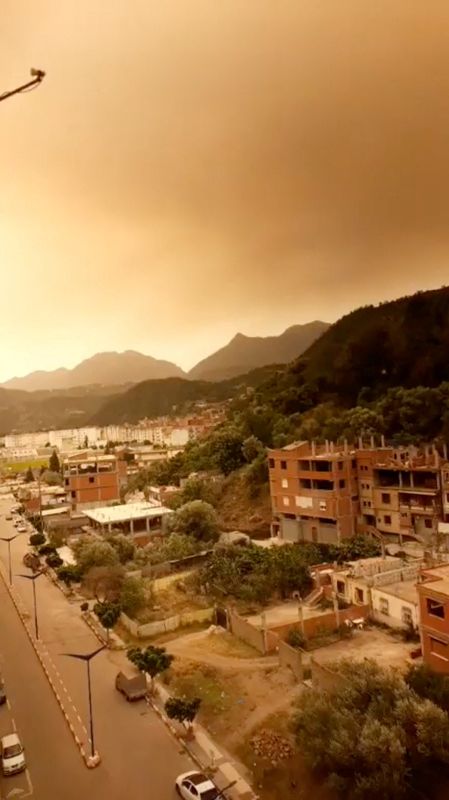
<point x="18" y="440"/>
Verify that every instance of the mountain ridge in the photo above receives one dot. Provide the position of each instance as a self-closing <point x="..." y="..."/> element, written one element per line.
<point x="110" y="368"/>
<point x="243" y="353"/>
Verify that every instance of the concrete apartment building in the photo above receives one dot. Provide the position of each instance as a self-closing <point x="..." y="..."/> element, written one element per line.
<point x="314" y="492"/>
<point x="92" y="481"/>
<point x="433" y="593"/>
<point x="326" y="493"/>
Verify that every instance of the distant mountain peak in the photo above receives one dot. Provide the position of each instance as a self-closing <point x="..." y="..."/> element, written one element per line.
<point x="244" y="353"/>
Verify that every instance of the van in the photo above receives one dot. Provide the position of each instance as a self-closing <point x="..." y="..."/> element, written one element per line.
<point x="132" y="685"/>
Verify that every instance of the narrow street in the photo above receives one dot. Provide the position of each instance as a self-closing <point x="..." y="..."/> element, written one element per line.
<point x="139" y="757"/>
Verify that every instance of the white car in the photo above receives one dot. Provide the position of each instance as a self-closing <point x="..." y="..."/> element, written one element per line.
<point x="196" y="786"/>
<point x="22" y="528"/>
<point x="12" y="755"/>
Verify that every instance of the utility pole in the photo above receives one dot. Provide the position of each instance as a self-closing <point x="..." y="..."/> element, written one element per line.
<point x="37" y="76"/>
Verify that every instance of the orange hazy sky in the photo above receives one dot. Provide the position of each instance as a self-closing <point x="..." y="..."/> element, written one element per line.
<point x="193" y="168"/>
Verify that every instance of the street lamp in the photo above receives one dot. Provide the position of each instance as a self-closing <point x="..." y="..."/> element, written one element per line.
<point x="37" y="76"/>
<point x="88" y="658"/>
<point x="34" y="579"/>
<point x="8" y="541"/>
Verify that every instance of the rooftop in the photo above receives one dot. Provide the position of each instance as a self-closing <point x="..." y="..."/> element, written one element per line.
<point x="108" y="515"/>
<point x="406" y="590"/>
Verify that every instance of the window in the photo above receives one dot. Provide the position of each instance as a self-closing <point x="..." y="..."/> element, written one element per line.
<point x="386" y="499"/>
<point x="439" y="648"/>
<point x="91" y="479"/>
<point x="283" y="465"/>
<point x="323" y="505"/>
<point x="284" y="483"/>
<point x="342" y="484"/>
<point x="305" y="483"/>
<point x="383" y="606"/>
<point x="427" y="523"/>
<point x="66" y="481"/>
<point x="271" y="463"/>
<point x="387" y="519"/>
<point x="359" y="596"/>
<point x="286" y="501"/>
<point x="341" y="587"/>
<point x="434" y="608"/>
<point x="406" y="615"/>
<point x="73" y="494"/>
<point x="353" y="463"/>
<point x="340" y="465"/>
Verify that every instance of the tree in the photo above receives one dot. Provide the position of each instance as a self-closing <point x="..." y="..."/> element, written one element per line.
<point x="182" y="709"/>
<point x="428" y="684"/>
<point x="94" y="553"/>
<point x="29" y="475"/>
<point x="252" y="448"/>
<point x="54" y="464"/>
<point x="123" y="546"/>
<point x="197" y="519"/>
<point x="373" y="737"/>
<point x="152" y="660"/>
<point x="105" y="583"/>
<point x="54" y="561"/>
<point x="132" y="595"/>
<point x="108" y="613"/>
<point x="37" y="539"/>
<point x="52" y="478"/>
<point x="69" y="574"/>
<point x="227" y="449"/>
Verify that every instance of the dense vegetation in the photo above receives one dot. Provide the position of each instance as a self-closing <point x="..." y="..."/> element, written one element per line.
<point x="259" y="574"/>
<point x="374" y="737"/>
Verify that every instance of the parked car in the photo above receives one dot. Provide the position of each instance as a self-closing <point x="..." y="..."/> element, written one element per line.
<point x="196" y="786"/>
<point x="22" y="528"/>
<point x="12" y="755"/>
<point x="8" y="517"/>
<point x="132" y="686"/>
<point x="2" y="692"/>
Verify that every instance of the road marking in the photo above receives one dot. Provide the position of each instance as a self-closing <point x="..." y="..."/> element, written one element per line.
<point x="30" y="785"/>
<point x="13" y="723"/>
<point x="8" y="704"/>
<point x="14" y="792"/>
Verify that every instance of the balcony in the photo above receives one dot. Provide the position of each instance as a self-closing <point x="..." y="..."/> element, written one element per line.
<point x="417" y="508"/>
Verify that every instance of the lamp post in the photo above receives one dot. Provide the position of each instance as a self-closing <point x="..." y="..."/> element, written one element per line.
<point x="8" y="541"/>
<point x="88" y="658"/>
<point x="34" y="579"/>
<point x="37" y="76"/>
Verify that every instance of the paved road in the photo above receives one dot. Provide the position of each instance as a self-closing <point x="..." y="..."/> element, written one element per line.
<point x="139" y="757"/>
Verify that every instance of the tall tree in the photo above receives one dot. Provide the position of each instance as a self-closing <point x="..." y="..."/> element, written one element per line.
<point x="54" y="463"/>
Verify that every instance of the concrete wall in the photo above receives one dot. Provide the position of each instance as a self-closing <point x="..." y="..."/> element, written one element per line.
<point x="322" y="623"/>
<point x="243" y="629"/>
<point x="291" y="657"/>
<point x="164" y="625"/>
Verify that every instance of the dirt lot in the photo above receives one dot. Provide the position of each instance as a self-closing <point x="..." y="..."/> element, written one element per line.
<point x="376" y="643"/>
<point x="237" y="686"/>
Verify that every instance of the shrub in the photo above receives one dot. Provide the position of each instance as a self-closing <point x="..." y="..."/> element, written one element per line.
<point x="84" y="606"/>
<point x="69" y="574"/>
<point x="295" y="638"/>
<point x="132" y="595"/>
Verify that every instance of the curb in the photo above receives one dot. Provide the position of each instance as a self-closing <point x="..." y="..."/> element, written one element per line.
<point x="22" y="616"/>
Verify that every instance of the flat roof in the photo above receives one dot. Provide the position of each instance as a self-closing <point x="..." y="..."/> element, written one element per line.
<point x="50" y="512"/>
<point x="406" y="590"/>
<point x="107" y="515"/>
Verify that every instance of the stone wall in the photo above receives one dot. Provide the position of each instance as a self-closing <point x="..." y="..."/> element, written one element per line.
<point x="244" y="630"/>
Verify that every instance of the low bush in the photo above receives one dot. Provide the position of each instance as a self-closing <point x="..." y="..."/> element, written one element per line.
<point x="37" y="539"/>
